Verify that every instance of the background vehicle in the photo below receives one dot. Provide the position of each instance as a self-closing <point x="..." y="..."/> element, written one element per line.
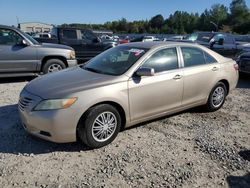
<point x="21" y="55"/>
<point x="148" y="39"/>
<point x="85" y="43"/>
<point x="124" y="86"/>
<point x="42" y="35"/>
<point x="244" y="63"/>
<point x="222" y="43"/>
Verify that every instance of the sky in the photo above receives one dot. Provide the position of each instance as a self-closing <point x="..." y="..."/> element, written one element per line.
<point x="96" y="11"/>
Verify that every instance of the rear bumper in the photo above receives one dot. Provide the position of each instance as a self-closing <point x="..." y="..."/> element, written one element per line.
<point x="244" y="65"/>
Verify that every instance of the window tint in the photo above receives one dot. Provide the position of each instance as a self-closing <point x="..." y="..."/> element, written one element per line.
<point x="218" y="37"/>
<point x="70" y="34"/>
<point x="86" y="34"/>
<point x="163" y="60"/>
<point x="54" y="32"/>
<point x="209" y="58"/>
<point x="192" y="56"/>
<point x="229" y="40"/>
<point x="9" y="37"/>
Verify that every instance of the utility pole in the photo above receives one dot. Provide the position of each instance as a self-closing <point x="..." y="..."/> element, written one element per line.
<point x="215" y="25"/>
<point x="17" y="20"/>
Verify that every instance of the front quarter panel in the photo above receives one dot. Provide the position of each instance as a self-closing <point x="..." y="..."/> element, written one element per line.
<point x="116" y="93"/>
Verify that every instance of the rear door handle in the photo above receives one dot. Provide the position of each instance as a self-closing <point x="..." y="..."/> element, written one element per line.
<point x="177" y="77"/>
<point x="215" y="68"/>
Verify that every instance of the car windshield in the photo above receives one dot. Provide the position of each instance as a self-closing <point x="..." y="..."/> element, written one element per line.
<point x="115" y="61"/>
<point x="204" y="37"/>
<point x="30" y="38"/>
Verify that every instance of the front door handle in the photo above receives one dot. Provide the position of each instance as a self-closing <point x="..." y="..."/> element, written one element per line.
<point x="177" y="77"/>
<point x="215" y="69"/>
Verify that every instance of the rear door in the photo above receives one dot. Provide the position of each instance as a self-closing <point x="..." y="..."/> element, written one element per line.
<point x="14" y="56"/>
<point x="71" y="37"/>
<point x="91" y="43"/>
<point x="201" y="72"/>
<point x="149" y="96"/>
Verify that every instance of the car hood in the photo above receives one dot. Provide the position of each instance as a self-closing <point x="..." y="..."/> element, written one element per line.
<point x="51" y="45"/>
<point x="68" y="81"/>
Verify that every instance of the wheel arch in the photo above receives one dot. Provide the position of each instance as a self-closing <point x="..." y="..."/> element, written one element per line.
<point x="46" y="58"/>
<point x="224" y="81"/>
<point x="112" y="103"/>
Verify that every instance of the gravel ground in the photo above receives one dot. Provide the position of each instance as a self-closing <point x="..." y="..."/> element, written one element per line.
<point x="189" y="149"/>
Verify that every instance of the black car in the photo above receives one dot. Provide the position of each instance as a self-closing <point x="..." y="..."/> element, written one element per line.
<point x="244" y="62"/>
<point x="85" y="43"/>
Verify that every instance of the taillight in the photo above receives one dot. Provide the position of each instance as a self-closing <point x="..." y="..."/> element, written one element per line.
<point x="236" y="67"/>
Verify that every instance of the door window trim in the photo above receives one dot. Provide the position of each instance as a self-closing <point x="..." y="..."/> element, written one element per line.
<point x="201" y="65"/>
<point x="157" y="50"/>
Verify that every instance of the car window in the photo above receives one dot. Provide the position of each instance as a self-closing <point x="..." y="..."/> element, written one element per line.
<point x="218" y="37"/>
<point x="70" y="34"/>
<point x="9" y="37"/>
<point x="229" y="40"/>
<point x="163" y="60"/>
<point x="209" y="58"/>
<point x="192" y="56"/>
<point x="86" y="34"/>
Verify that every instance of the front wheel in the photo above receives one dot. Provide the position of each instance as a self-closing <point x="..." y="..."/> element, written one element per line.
<point x="53" y="65"/>
<point x="99" y="126"/>
<point x="217" y="97"/>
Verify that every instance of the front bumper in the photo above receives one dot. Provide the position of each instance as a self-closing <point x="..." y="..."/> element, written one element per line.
<point x="72" y="62"/>
<point x="54" y="125"/>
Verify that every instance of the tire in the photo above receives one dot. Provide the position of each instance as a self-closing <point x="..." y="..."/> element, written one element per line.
<point x="214" y="104"/>
<point x="92" y="124"/>
<point x="53" y="65"/>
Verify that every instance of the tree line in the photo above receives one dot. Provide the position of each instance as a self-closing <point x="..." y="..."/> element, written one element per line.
<point x="233" y="19"/>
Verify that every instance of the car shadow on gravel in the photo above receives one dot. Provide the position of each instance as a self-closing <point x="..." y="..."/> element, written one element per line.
<point x="240" y="181"/>
<point x="15" y="140"/>
<point x="16" y="79"/>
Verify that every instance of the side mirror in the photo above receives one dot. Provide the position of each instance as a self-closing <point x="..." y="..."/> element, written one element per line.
<point x="221" y="41"/>
<point x="23" y="43"/>
<point x="145" y="71"/>
<point x="97" y="40"/>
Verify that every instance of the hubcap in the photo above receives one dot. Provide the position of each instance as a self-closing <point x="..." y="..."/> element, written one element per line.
<point x="54" y="68"/>
<point x="104" y="126"/>
<point x="218" y="96"/>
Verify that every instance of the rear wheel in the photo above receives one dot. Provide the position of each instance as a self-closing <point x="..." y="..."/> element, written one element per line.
<point x="217" y="97"/>
<point x="99" y="126"/>
<point x="53" y="65"/>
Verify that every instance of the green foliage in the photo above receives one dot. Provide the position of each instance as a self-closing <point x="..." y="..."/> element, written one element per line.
<point x="235" y="19"/>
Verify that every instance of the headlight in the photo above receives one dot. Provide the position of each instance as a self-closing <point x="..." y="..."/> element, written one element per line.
<point x="72" y="54"/>
<point x="55" y="104"/>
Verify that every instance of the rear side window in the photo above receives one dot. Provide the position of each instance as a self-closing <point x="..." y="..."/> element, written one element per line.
<point x="209" y="58"/>
<point x="70" y="34"/>
<point x="193" y="56"/>
<point x="163" y="60"/>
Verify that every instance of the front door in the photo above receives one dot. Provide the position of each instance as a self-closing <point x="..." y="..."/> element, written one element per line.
<point x="91" y="43"/>
<point x="16" y="57"/>
<point x="149" y="96"/>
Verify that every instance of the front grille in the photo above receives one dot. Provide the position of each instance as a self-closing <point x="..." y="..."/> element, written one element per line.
<point x="24" y="102"/>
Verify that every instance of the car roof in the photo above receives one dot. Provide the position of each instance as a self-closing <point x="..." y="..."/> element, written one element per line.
<point x="7" y="27"/>
<point x="156" y="44"/>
